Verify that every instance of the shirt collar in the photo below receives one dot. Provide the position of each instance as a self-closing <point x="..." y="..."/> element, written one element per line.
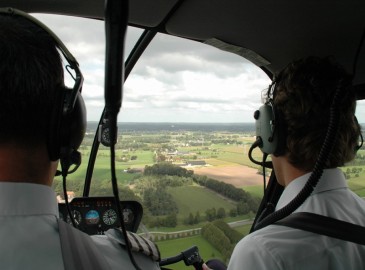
<point x="331" y="179"/>
<point x="27" y="199"/>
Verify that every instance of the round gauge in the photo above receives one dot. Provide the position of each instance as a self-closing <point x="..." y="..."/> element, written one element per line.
<point x="110" y="217"/>
<point x="105" y="136"/>
<point x="76" y="216"/>
<point x="128" y="215"/>
<point x="92" y="217"/>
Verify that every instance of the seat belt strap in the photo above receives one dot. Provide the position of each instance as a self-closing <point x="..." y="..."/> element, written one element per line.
<point x="327" y="226"/>
<point x="79" y="252"/>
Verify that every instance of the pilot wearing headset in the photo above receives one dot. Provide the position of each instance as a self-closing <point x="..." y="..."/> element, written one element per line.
<point x="41" y="122"/>
<point x="301" y="100"/>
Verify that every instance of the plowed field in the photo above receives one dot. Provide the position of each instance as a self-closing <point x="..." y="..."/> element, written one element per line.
<point x="237" y="175"/>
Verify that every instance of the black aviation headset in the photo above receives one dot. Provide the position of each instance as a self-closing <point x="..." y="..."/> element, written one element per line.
<point x="68" y="121"/>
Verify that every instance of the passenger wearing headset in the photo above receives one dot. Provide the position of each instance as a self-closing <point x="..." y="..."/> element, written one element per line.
<point x="300" y="99"/>
<point x="41" y="122"/>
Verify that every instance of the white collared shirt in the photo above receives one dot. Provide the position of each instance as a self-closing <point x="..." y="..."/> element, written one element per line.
<point x="29" y="235"/>
<point x="280" y="247"/>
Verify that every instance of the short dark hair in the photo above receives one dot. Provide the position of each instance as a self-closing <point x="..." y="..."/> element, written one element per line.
<point x="303" y="95"/>
<point x="31" y="75"/>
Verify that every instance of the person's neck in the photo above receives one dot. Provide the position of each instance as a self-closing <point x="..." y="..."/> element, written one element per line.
<point x="25" y="164"/>
<point x="285" y="172"/>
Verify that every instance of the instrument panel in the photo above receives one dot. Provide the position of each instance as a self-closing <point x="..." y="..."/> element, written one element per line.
<point x="95" y="215"/>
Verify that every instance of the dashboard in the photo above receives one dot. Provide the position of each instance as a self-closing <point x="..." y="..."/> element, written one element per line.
<point x="95" y="215"/>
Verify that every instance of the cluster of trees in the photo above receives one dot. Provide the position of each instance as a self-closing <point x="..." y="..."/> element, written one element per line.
<point x="154" y="181"/>
<point x="165" y="168"/>
<point x="222" y="237"/>
<point x="222" y="188"/>
<point x="193" y="219"/>
<point x="352" y="172"/>
<point x="225" y="141"/>
<point x="213" y="214"/>
<point x="210" y="215"/>
<point x="167" y="221"/>
<point x="159" y="202"/>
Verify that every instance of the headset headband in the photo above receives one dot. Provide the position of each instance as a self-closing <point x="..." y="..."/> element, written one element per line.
<point x="73" y="64"/>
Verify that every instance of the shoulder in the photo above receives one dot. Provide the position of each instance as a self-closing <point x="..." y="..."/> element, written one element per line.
<point x="275" y="247"/>
<point x="117" y="256"/>
<point x="255" y="251"/>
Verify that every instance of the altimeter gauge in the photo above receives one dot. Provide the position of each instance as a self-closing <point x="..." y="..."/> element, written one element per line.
<point x="110" y="217"/>
<point x="76" y="216"/>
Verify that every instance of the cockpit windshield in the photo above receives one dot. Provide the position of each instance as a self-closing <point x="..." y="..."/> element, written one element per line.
<point x="185" y="129"/>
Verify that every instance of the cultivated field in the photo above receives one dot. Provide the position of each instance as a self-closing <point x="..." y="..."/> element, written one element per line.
<point x="237" y="175"/>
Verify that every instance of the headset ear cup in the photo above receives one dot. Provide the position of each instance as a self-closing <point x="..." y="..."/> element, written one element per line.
<point x="266" y="128"/>
<point x="76" y="125"/>
<point x="66" y="131"/>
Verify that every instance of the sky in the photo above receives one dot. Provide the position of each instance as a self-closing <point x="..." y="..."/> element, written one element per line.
<point x="176" y="80"/>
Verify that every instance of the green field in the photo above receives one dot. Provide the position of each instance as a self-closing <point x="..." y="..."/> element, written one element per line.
<point x="257" y="191"/>
<point x="174" y="247"/>
<point x="357" y="185"/>
<point x="102" y="166"/>
<point x="245" y="229"/>
<point x="191" y="199"/>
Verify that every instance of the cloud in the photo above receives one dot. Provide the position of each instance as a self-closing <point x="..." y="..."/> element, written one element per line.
<point x="175" y="79"/>
<point x="178" y="55"/>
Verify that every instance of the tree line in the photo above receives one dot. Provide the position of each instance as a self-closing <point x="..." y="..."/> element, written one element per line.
<point x="220" y="235"/>
<point x="159" y="202"/>
<point x="246" y="202"/>
<point x="166" y="168"/>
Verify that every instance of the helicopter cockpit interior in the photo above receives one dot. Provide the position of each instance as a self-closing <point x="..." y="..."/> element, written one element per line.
<point x="266" y="35"/>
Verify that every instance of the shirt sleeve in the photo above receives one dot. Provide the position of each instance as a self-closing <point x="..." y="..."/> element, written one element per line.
<point x="249" y="254"/>
<point x="117" y="256"/>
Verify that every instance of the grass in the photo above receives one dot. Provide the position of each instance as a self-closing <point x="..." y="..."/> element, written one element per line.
<point x="174" y="247"/>
<point x="237" y="154"/>
<point x="357" y="185"/>
<point x="182" y="227"/>
<point x="191" y="199"/>
<point x="143" y="158"/>
<point x="102" y="165"/>
<point x="245" y="229"/>
<point x="257" y="191"/>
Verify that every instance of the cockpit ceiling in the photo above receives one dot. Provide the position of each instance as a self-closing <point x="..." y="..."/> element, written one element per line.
<point x="278" y="31"/>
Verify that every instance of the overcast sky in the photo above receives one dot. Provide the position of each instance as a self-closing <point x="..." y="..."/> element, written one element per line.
<point x="175" y="81"/>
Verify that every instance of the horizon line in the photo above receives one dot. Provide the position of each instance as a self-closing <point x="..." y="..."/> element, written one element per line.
<point x="169" y="122"/>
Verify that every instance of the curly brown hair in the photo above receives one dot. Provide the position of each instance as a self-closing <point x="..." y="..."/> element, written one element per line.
<point x="302" y="98"/>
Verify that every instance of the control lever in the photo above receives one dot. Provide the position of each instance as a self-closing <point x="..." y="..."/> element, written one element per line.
<point x="191" y="257"/>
